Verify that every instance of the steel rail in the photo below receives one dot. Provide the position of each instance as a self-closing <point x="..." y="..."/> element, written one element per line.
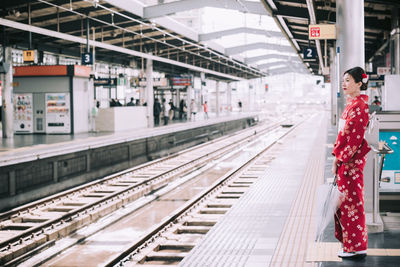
<point x="68" y="216"/>
<point x="125" y="255"/>
<point x="42" y="202"/>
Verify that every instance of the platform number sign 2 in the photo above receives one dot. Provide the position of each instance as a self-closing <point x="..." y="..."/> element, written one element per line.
<point x="87" y="59"/>
<point x="309" y="54"/>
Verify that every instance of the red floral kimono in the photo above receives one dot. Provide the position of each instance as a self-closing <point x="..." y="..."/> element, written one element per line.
<point x="351" y="151"/>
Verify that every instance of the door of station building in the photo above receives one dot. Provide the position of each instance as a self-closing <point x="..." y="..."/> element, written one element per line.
<point x="39" y="113"/>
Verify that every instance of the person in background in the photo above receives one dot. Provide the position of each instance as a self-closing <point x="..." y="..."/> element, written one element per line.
<point x="193" y="110"/>
<point x="117" y="103"/>
<point x="350" y="151"/>
<point x="240" y="105"/>
<point x="376" y="101"/>
<point x="131" y="103"/>
<point x="171" y="110"/>
<point x="156" y="112"/>
<point x="94" y="112"/>
<point x="182" y="109"/>
<point x="205" y="109"/>
<point x="165" y="110"/>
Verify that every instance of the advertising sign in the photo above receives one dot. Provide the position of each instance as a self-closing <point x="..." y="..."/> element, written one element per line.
<point x="23" y="112"/>
<point x="58" y="119"/>
<point x="322" y="31"/>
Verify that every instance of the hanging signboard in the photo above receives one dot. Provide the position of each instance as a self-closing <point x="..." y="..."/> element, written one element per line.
<point x="87" y="59"/>
<point x="322" y="31"/>
<point x="181" y="81"/>
<point x="382" y="71"/>
<point x="309" y="54"/>
<point x="105" y="82"/>
<point x="29" y="55"/>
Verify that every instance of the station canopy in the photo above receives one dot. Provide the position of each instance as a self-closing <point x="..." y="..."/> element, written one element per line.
<point x="294" y="16"/>
<point x="125" y="32"/>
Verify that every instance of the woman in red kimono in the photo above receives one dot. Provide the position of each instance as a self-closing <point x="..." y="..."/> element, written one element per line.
<point x="350" y="153"/>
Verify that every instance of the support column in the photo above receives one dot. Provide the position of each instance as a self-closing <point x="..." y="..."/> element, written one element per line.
<point x="229" y="97"/>
<point x="250" y="88"/>
<point x="94" y="48"/>
<point x="87" y="34"/>
<point x="7" y="91"/>
<point x="189" y="97"/>
<point x="332" y="64"/>
<point x="395" y="37"/>
<point x="149" y="93"/>
<point x="202" y="81"/>
<point x="350" y="41"/>
<point x="217" y="98"/>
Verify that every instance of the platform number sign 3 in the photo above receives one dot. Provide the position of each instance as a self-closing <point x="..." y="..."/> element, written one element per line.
<point x="87" y="59"/>
<point x="309" y="54"/>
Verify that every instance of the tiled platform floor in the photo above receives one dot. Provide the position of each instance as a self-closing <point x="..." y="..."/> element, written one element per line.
<point x="271" y="224"/>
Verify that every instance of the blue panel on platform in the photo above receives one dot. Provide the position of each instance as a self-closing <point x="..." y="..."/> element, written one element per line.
<point x="392" y="161"/>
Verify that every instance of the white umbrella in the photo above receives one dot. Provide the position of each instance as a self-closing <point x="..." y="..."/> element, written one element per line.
<point x="329" y="200"/>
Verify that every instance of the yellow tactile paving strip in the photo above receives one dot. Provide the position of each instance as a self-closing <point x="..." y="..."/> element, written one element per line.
<point x="383" y="252"/>
<point x="322" y="251"/>
<point x="300" y="227"/>
<point x="327" y="251"/>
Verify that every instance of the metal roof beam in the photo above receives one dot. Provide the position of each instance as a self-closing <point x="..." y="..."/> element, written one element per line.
<point x="250" y="60"/>
<point x="280" y="71"/>
<point x="313" y="20"/>
<point x="292" y="12"/>
<point x="184" y="5"/>
<point x="277" y="63"/>
<point x="242" y="48"/>
<point x="219" y="34"/>
<point x="75" y="39"/>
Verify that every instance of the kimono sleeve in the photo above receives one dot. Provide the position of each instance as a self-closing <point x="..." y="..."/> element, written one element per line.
<point x="349" y="140"/>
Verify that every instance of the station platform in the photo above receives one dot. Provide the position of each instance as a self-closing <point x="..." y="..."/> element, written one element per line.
<point x="274" y="223"/>
<point x="10" y="146"/>
<point x="24" y="147"/>
<point x="35" y="166"/>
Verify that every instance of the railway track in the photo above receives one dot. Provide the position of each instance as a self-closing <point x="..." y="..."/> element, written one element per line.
<point x="30" y="228"/>
<point x="172" y="239"/>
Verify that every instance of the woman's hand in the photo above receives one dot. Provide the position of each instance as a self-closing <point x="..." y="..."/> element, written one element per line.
<point x="334" y="166"/>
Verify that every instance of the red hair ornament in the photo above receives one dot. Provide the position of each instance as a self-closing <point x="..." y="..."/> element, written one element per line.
<point x="364" y="78"/>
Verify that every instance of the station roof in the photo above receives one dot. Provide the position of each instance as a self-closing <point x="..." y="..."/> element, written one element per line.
<point x="59" y="26"/>
<point x="293" y="16"/>
<point x="126" y="32"/>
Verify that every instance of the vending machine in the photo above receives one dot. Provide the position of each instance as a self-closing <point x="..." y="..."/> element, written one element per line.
<point x="58" y="119"/>
<point x="23" y="113"/>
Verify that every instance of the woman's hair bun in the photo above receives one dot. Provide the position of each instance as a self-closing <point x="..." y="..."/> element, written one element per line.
<point x="359" y="75"/>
